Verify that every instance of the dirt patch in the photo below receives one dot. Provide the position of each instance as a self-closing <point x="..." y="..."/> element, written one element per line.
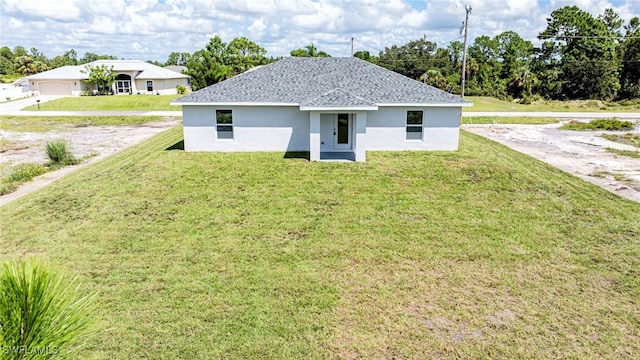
<point x="582" y="153"/>
<point x="95" y="142"/>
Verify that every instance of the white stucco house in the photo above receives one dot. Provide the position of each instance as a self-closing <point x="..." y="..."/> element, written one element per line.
<point x="333" y="108"/>
<point x="132" y="76"/>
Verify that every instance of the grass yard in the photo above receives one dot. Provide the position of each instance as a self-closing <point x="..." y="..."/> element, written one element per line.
<point x="480" y="253"/>
<point x="485" y="103"/>
<point x="627" y="139"/>
<point x="509" y="120"/>
<point x="107" y="103"/>
<point x="629" y="153"/>
<point x="49" y="123"/>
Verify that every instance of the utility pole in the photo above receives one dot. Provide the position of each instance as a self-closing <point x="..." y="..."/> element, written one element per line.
<point x="467" y="8"/>
<point x="352" y="46"/>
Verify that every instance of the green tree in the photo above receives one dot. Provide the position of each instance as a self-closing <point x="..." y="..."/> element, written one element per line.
<point x="208" y="66"/>
<point x="630" y="73"/>
<point x="484" y="68"/>
<point x="219" y="61"/>
<point x="435" y="78"/>
<point x="6" y="61"/>
<point x="178" y="58"/>
<point x="26" y="65"/>
<point x="309" y="51"/>
<point x="101" y="76"/>
<point x="69" y="58"/>
<point x="366" y="56"/>
<point x="91" y="57"/>
<point x="587" y="48"/>
<point x="244" y="54"/>
<point x="412" y="59"/>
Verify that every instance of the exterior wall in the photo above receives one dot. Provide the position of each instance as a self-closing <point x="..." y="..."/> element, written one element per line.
<point x="268" y="128"/>
<point x="162" y="86"/>
<point x="272" y="128"/>
<point x="386" y="129"/>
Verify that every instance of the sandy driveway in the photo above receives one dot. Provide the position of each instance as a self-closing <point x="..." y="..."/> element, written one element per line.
<point x="96" y="141"/>
<point x="582" y="153"/>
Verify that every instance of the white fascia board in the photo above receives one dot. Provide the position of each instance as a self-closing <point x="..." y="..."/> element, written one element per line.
<point x="232" y="104"/>
<point x="426" y="105"/>
<point x="339" y="108"/>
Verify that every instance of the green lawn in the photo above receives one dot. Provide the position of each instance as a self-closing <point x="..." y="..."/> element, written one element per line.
<point x="485" y="103"/>
<point x="51" y="123"/>
<point x="106" y="103"/>
<point x="628" y="138"/>
<point x="479" y="253"/>
<point x="508" y="120"/>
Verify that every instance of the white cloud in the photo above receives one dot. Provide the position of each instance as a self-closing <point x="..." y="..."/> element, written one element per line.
<point x="151" y="29"/>
<point x="62" y="10"/>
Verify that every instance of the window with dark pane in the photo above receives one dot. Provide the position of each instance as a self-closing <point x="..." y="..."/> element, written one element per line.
<point x="224" y="124"/>
<point x="414" y="124"/>
<point x="150" y="85"/>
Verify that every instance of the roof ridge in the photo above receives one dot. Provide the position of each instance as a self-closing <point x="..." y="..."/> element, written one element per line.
<point x="340" y="90"/>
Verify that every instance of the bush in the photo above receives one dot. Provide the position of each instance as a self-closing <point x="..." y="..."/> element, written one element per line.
<point x="181" y="89"/>
<point x="20" y="174"/>
<point x="599" y="124"/>
<point x="41" y="312"/>
<point x="25" y="172"/>
<point x="59" y="153"/>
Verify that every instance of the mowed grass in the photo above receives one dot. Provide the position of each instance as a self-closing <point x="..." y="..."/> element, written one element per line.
<point x="110" y="103"/>
<point x="49" y="123"/>
<point x="486" y="103"/>
<point x="479" y="253"/>
<point x="509" y="120"/>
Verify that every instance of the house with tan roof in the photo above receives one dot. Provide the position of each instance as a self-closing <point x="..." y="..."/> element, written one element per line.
<point x="132" y="77"/>
<point x="332" y="108"/>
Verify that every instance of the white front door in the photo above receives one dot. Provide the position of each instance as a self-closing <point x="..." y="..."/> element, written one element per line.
<point x="342" y="132"/>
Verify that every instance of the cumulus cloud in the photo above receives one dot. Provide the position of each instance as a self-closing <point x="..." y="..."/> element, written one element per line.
<point x="151" y="29"/>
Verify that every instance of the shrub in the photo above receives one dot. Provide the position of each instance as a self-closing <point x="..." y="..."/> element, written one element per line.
<point x="25" y="172"/>
<point x="599" y="124"/>
<point x="41" y="312"/>
<point x="59" y="153"/>
<point x="181" y="89"/>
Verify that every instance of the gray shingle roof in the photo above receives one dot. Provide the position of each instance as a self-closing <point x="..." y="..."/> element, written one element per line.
<point x="322" y="82"/>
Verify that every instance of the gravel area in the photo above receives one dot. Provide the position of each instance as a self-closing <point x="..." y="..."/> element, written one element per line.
<point x="581" y="153"/>
<point x="95" y="141"/>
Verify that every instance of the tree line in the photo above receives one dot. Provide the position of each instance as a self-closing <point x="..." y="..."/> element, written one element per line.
<point x="581" y="56"/>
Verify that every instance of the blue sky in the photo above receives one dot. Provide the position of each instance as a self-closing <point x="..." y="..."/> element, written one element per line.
<point x="151" y="29"/>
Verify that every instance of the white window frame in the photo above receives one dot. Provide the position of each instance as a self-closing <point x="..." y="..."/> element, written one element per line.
<point x="150" y="82"/>
<point x="224" y="125"/>
<point x="414" y="127"/>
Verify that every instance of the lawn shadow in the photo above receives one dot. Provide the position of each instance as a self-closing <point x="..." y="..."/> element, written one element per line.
<point x="177" y="146"/>
<point x="297" y="155"/>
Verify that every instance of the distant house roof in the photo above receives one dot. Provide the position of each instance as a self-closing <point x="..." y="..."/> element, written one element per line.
<point x="177" y="68"/>
<point x="142" y="70"/>
<point x="21" y="82"/>
<point x="322" y="82"/>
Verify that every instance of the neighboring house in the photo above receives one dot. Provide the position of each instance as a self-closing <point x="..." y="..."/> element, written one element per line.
<point x="23" y="84"/>
<point x="132" y="76"/>
<point x="333" y="108"/>
<point x="177" y="68"/>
